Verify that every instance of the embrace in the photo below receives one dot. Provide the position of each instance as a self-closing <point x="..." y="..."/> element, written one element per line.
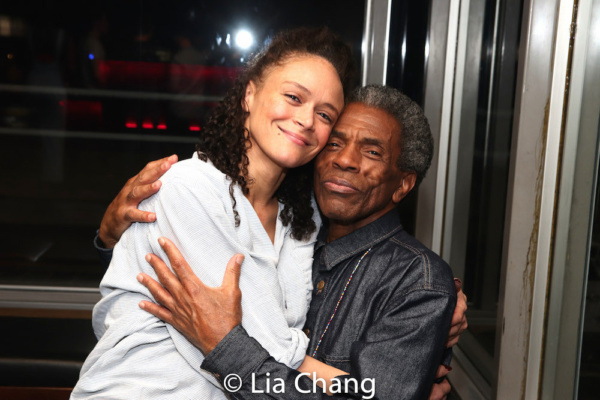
<point x="293" y="298"/>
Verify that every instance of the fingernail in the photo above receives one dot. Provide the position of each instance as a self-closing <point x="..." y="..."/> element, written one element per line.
<point x="173" y="157"/>
<point x="148" y="257"/>
<point x="142" y="305"/>
<point x="139" y="278"/>
<point x="161" y="241"/>
<point x="239" y="259"/>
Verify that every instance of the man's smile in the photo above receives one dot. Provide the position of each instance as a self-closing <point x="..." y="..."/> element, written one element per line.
<point x="339" y="185"/>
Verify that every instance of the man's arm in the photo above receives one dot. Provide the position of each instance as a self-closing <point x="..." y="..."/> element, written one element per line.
<point x="202" y="315"/>
<point x="123" y="211"/>
<point x="206" y="316"/>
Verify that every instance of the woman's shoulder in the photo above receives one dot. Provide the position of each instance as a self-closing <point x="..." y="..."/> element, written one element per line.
<point x="195" y="173"/>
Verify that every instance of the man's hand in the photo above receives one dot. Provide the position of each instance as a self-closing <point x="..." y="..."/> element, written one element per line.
<point x="123" y="210"/>
<point x="459" y="319"/>
<point x="441" y="390"/>
<point x="204" y="315"/>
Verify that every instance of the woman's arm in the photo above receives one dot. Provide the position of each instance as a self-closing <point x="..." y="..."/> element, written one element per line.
<point x="319" y="370"/>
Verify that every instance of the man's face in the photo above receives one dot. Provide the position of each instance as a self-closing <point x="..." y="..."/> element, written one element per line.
<point x="356" y="178"/>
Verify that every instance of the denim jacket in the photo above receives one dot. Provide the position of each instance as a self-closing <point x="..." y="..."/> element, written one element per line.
<point x="383" y="319"/>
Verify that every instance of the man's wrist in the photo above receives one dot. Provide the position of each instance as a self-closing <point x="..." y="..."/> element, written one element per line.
<point x="237" y="353"/>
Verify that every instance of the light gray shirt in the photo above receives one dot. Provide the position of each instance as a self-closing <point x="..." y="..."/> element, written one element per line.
<point x="138" y="355"/>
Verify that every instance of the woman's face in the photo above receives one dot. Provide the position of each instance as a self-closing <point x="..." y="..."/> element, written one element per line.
<point x="292" y="110"/>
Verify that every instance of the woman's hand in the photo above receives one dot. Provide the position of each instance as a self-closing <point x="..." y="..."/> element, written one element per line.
<point x="123" y="210"/>
<point x="459" y="319"/>
<point x="204" y="315"/>
<point x="440" y="391"/>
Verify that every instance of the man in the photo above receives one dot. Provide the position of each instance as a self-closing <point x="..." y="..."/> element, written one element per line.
<point x="382" y="302"/>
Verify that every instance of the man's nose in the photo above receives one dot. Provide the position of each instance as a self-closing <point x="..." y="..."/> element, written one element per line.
<point x="348" y="158"/>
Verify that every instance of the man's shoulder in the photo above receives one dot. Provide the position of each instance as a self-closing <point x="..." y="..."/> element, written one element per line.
<point x="413" y="259"/>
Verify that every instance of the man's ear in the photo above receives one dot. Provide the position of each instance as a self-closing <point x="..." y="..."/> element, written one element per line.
<point x="406" y="185"/>
<point x="249" y="96"/>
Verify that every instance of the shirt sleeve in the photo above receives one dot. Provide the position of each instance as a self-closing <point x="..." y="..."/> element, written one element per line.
<point x="104" y="253"/>
<point x="396" y="358"/>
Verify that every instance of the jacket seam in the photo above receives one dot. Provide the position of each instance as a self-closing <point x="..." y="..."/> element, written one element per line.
<point x="424" y="257"/>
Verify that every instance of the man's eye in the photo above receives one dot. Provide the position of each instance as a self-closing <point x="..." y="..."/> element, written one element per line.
<point x="332" y="144"/>
<point x="374" y="153"/>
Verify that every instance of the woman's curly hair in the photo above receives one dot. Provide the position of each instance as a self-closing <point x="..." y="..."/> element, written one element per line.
<point x="225" y="141"/>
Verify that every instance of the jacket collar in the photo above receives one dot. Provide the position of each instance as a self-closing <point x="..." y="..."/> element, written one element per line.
<point x="356" y="242"/>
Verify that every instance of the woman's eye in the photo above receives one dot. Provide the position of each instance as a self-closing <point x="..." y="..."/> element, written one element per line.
<point x="327" y="117"/>
<point x="294" y="98"/>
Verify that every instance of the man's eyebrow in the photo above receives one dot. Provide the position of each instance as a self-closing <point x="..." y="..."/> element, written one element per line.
<point x="373" y="141"/>
<point x="308" y="92"/>
<point x="338" y="134"/>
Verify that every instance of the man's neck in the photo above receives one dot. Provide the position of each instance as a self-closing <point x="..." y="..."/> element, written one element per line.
<point x="338" y="229"/>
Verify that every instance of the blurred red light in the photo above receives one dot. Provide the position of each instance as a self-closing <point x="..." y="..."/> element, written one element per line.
<point x="194" y="128"/>
<point x="148" y="125"/>
<point x="161" y="126"/>
<point x="131" y="124"/>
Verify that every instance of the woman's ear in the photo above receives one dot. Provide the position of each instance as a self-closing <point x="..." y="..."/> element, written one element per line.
<point x="249" y="96"/>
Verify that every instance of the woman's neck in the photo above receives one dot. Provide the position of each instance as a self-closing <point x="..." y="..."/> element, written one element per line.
<point x="264" y="178"/>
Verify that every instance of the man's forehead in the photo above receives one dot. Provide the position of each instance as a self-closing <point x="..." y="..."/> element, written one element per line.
<point x="360" y="117"/>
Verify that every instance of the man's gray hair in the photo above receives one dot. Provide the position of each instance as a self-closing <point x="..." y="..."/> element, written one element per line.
<point x="416" y="142"/>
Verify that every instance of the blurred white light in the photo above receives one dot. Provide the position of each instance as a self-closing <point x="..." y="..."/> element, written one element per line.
<point x="243" y="39"/>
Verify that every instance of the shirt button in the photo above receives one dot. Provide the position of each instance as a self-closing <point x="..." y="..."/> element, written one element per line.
<point x="321" y="285"/>
<point x="307" y="332"/>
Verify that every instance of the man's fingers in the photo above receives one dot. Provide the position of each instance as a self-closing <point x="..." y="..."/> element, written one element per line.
<point x="178" y="263"/>
<point x="233" y="271"/>
<point x="155" y="169"/>
<point x="141" y="192"/>
<point x="158" y="311"/>
<point x="170" y="282"/>
<point x="156" y="290"/>
<point x="135" y="215"/>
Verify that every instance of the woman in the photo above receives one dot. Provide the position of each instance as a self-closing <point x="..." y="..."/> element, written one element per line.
<point x="241" y="193"/>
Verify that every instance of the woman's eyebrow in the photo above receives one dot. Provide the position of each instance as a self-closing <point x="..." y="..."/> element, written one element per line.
<point x="299" y="86"/>
<point x="308" y="92"/>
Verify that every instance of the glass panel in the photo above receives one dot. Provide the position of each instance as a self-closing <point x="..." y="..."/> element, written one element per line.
<point x="91" y="91"/>
<point x="407" y="59"/>
<point x="589" y="372"/>
<point x="480" y="162"/>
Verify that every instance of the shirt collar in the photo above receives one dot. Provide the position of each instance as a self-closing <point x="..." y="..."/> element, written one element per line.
<point x="356" y="242"/>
